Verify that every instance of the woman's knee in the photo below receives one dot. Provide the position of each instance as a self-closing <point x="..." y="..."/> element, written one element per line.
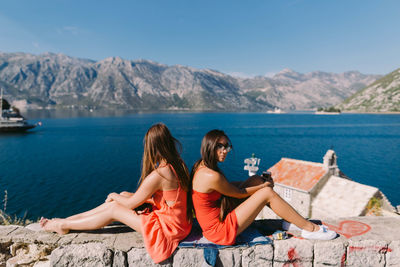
<point x="267" y="192"/>
<point x="112" y="207"/>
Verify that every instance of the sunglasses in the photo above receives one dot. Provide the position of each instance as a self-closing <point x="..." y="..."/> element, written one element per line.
<point x="227" y="147"/>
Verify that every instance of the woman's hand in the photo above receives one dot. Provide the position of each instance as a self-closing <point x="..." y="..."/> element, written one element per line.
<point x="268" y="181"/>
<point x="110" y="197"/>
<point x="267" y="178"/>
<point x="269" y="184"/>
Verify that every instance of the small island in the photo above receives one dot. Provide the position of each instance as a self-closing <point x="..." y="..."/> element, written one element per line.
<point x="328" y="111"/>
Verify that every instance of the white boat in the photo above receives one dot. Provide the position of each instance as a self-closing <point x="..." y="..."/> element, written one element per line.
<point x="11" y="120"/>
<point x="276" y="111"/>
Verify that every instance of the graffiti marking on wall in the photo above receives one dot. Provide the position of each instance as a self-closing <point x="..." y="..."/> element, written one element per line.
<point x="350" y="228"/>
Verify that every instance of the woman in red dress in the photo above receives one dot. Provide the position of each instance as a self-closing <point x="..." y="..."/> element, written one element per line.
<point x="209" y="184"/>
<point x="164" y="183"/>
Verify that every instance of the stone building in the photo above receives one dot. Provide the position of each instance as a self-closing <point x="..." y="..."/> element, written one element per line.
<point x="321" y="190"/>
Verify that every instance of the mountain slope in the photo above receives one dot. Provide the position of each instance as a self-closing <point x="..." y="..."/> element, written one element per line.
<point x="292" y="90"/>
<point x="381" y="96"/>
<point x="58" y="81"/>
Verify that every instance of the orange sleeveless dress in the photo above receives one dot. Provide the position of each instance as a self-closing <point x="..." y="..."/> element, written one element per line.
<point x="207" y="214"/>
<point x="165" y="226"/>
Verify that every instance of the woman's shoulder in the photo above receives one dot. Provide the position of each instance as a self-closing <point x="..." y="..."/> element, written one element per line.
<point x="207" y="172"/>
<point x="205" y="180"/>
<point x="165" y="171"/>
<point x="164" y="177"/>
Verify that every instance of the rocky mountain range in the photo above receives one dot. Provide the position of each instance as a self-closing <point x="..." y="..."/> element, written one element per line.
<point x="381" y="96"/>
<point x="59" y="81"/>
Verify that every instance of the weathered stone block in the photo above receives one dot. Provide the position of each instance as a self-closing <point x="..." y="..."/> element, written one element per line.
<point x="188" y="257"/>
<point x="66" y="239"/>
<point x="366" y="253"/>
<point x="27" y="254"/>
<point x="84" y="255"/>
<point x="120" y="259"/>
<point x="125" y="242"/>
<point x="329" y="253"/>
<point x="22" y="235"/>
<point x="393" y="254"/>
<point x="260" y="255"/>
<point x="140" y="257"/>
<point x="46" y="237"/>
<point x="293" y="251"/>
<point x="106" y="239"/>
<point x="229" y="257"/>
<point x="42" y="264"/>
<point x="5" y="232"/>
<point x="4" y="252"/>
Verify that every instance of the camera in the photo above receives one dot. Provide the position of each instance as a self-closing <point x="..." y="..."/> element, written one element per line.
<point x="266" y="175"/>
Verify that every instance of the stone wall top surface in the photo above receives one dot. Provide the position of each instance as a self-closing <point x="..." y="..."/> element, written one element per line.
<point x="124" y="238"/>
<point x="363" y="241"/>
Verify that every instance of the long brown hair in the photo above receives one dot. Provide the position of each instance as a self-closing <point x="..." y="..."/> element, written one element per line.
<point x="208" y="151"/>
<point x="209" y="159"/>
<point x="160" y="145"/>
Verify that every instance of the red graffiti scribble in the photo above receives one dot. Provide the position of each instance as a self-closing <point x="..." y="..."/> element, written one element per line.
<point x="350" y="228"/>
<point x="380" y="250"/>
<point x="294" y="259"/>
<point x="343" y="260"/>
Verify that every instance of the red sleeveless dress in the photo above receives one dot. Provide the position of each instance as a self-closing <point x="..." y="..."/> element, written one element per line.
<point x="207" y="214"/>
<point x="165" y="226"/>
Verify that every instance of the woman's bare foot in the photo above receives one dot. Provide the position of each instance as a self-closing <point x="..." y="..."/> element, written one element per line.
<point x="43" y="221"/>
<point x="53" y="225"/>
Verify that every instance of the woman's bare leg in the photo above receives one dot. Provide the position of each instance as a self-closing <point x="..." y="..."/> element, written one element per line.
<point x="88" y="213"/>
<point x="97" y="209"/>
<point x="247" y="211"/>
<point x="110" y="212"/>
<point x="43" y="221"/>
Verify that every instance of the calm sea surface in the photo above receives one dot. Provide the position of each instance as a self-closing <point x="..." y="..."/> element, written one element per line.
<point x="70" y="164"/>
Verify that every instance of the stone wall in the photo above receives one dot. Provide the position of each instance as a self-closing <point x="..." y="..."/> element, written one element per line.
<point x="363" y="241"/>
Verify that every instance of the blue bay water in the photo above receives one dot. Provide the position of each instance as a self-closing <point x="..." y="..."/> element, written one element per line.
<point x="70" y="164"/>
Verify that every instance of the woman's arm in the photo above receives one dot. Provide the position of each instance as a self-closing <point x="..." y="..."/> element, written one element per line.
<point x="149" y="186"/>
<point x="219" y="183"/>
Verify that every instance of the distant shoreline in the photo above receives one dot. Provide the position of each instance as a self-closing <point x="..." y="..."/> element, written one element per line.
<point x="196" y="111"/>
<point x="383" y="112"/>
<point x="166" y="111"/>
<point x="37" y="114"/>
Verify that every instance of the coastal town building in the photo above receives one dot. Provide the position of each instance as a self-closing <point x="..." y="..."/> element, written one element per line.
<point x="321" y="190"/>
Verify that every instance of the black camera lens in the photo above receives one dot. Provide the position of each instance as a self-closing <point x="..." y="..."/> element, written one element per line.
<point x="266" y="174"/>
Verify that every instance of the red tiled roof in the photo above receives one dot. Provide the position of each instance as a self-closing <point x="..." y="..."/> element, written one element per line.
<point x="297" y="173"/>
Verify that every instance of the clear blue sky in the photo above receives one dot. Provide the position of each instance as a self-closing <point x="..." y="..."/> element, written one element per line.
<point x="251" y="37"/>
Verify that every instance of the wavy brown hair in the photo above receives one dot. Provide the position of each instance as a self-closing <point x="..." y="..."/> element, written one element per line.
<point x="209" y="159"/>
<point x="160" y="145"/>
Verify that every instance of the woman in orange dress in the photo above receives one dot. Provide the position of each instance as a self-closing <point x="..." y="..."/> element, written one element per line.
<point x="164" y="183"/>
<point x="209" y="185"/>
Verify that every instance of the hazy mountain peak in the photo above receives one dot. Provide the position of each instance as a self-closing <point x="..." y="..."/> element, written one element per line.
<point x="150" y="62"/>
<point x="286" y="71"/>
<point x="113" y="60"/>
